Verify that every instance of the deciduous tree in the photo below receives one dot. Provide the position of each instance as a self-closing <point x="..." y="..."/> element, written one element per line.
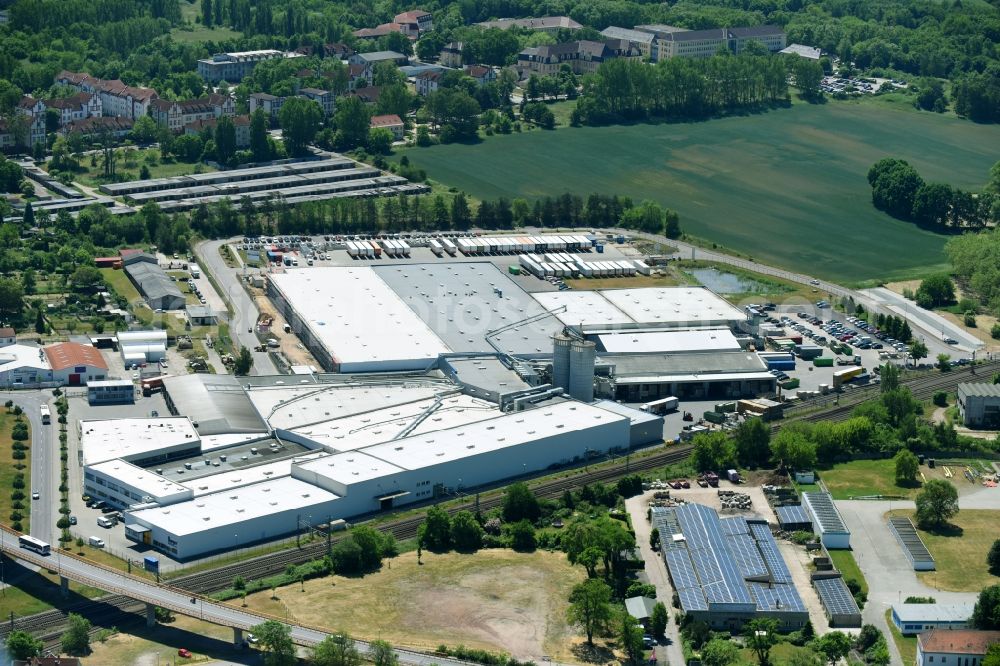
<point x="590" y="606"/>
<point x="907" y="467"/>
<point x="276" y="643"/>
<point x="937" y="503"/>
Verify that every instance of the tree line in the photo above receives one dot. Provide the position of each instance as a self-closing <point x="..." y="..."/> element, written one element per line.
<point x="626" y="89"/>
<point x="899" y="190"/>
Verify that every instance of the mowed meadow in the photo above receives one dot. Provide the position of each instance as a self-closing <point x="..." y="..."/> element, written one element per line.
<point x="787" y="186"/>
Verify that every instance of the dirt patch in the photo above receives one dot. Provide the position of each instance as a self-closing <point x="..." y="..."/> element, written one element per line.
<point x="984" y="323"/>
<point x="900" y="287"/>
<point x="294" y="351"/>
<point x="496" y="600"/>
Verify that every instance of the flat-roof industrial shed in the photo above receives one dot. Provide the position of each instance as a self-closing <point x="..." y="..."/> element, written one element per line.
<point x="838" y="602"/>
<point x="913" y="546"/>
<point x="160" y="292"/>
<point x="912" y="619"/>
<point x="793" y="518"/>
<point x="826" y="520"/>
<point x="979" y="404"/>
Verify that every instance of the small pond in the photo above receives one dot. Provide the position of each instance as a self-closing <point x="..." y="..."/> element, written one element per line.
<point x="727" y="283"/>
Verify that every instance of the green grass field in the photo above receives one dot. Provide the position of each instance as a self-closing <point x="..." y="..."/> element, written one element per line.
<point x="907" y="645"/>
<point x="196" y="32"/>
<point x="847" y="565"/>
<point x="788" y="186"/>
<point x="960" y="555"/>
<point x="860" y="478"/>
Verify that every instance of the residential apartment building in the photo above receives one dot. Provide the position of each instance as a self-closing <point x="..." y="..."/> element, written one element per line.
<point x="77" y="107"/>
<point x="368" y="94"/>
<point x="542" y="24"/>
<point x="177" y="115"/>
<point x="427" y="82"/>
<point x="451" y="55"/>
<point x="959" y="647"/>
<point x="391" y="122"/>
<point x="324" y="98"/>
<point x="359" y="76"/>
<point x="34" y="109"/>
<point x="117" y="99"/>
<point x="269" y="103"/>
<point x="481" y="74"/>
<point x="93" y="127"/>
<point x="232" y="67"/>
<point x="241" y="123"/>
<point x="378" y="31"/>
<point x="583" y="57"/>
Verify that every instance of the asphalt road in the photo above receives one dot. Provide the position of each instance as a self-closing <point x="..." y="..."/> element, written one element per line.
<point x="244" y="310"/>
<point x="44" y="460"/>
<point x="179" y="601"/>
<point x="923" y="323"/>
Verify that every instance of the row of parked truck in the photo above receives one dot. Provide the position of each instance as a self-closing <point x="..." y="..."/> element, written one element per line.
<point x="560" y="264"/>
<point x="521" y="244"/>
<point x="374" y="249"/>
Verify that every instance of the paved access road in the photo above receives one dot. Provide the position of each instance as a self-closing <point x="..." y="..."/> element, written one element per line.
<point x="244" y="309"/>
<point x="44" y="460"/>
<point x="889" y="574"/>
<point x="80" y="570"/>
<point x="923" y="323"/>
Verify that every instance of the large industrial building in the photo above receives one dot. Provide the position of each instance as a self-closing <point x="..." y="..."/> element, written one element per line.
<point x="727" y="571"/>
<point x="332" y="447"/>
<point x="643" y="343"/>
<point x="979" y="404"/>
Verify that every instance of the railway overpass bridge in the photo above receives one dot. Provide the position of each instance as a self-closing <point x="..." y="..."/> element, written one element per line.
<point x="71" y="567"/>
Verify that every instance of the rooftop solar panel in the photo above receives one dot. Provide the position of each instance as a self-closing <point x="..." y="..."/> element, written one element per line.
<point x="769" y="551"/>
<point x="792" y="515"/>
<point x="835" y="596"/>
<point x="734" y="525"/>
<point x="692" y="599"/>
<point x="747" y="557"/>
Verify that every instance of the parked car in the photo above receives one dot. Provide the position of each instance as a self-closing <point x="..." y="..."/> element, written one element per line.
<point x="184" y="652"/>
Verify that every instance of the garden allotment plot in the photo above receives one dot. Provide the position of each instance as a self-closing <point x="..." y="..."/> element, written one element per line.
<point x="788" y="187"/>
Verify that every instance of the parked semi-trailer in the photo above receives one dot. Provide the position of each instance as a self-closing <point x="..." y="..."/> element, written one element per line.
<point x="449" y="247"/>
<point x="436" y="248"/>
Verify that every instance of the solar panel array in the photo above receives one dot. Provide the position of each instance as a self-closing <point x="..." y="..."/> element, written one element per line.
<point x="835" y="596"/>
<point x="822" y="506"/>
<point x="710" y="564"/>
<point x="792" y="515"/>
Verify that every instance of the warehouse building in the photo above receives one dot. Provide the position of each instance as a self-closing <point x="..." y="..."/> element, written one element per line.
<point x="727" y="571"/>
<point x="352" y="321"/>
<point x="74" y="364"/>
<point x="139" y="347"/>
<point x="160" y="292"/>
<point x="913" y="619"/>
<point x="826" y="520"/>
<point x="838" y="603"/>
<point x="24" y="366"/>
<point x="216" y="404"/>
<point x="979" y="405"/>
<point x="122" y="484"/>
<point x="660" y="307"/>
<point x="140" y="441"/>
<point x="644" y="428"/>
<point x="793" y="518"/>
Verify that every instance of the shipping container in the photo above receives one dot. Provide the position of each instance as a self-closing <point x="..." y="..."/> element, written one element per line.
<point x="376" y="249"/>
<point x="514" y="269"/>
<point x="600" y="248"/>
<point x="449" y="247"/>
<point x="823" y="362"/>
<point x="641" y="267"/>
<point x="840" y="377"/>
<point x="714" y="417"/>
<point x="436" y="248"/>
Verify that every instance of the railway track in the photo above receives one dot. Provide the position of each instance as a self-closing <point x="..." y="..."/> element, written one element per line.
<point x="118" y="610"/>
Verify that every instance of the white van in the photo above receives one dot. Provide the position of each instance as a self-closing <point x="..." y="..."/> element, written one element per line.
<point x="104" y="521"/>
<point x="96" y="542"/>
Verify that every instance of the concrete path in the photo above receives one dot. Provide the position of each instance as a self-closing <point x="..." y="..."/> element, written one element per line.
<point x="927" y="320"/>
<point x="656" y="570"/>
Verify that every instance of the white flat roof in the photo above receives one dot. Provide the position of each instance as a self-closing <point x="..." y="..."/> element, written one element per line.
<point x="224" y="441"/>
<point x="288" y="407"/>
<point x="582" y="307"/>
<point x="707" y="377"/>
<point x="235" y="507"/>
<point x="381" y="425"/>
<point x="17" y="356"/>
<point x="674" y="305"/>
<point x="357" y="317"/>
<point x="960" y="612"/>
<point x="134" y="438"/>
<point x="352" y="467"/>
<point x="143" y="480"/>
<point x="417" y="452"/>
<point x="702" y="340"/>
<point x="246" y="476"/>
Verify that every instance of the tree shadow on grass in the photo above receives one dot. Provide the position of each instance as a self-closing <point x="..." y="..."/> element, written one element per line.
<point x="946" y="530"/>
<point x="592" y="654"/>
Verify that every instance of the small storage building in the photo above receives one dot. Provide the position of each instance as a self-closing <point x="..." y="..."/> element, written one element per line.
<point x="912" y="619"/>
<point x="826" y="520"/>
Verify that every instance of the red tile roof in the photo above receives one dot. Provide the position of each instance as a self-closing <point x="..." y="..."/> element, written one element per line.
<point x="389" y="120"/>
<point x="7" y="332"/>
<point x="65" y="355"/>
<point x="958" y="641"/>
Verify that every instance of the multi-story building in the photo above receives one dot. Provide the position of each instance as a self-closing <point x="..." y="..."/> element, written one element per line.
<point x="234" y="67"/>
<point x="118" y="99"/>
<point x="644" y="41"/>
<point x="77" y="107"/>
<point x="34" y="109"/>
<point x="427" y="82"/>
<point x="541" y="24"/>
<point x="359" y="75"/>
<point x="415" y="22"/>
<point x="481" y="74"/>
<point x="373" y="57"/>
<point x="671" y="42"/>
<point x="583" y="57"/>
<point x="241" y="123"/>
<point x="960" y="647"/>
<point x="94" y="127"/>
<point x="378" y="31"/>
<point x="451" y="55"/>
<point x="979" y="404"/>
<point x="324" y="98"/>
<point x="391" y="122"/>
<point x="269" y="103"/>
<point x="177" y="115"/>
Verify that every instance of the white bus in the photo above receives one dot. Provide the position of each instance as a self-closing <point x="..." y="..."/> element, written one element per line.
<point x="46" y="415"/>
<point x="37" y="545"/>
